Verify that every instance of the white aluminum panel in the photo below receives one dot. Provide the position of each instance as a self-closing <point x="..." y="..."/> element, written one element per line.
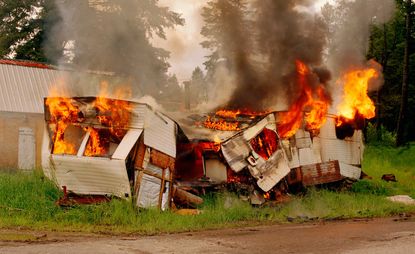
<point x="160" y="133"/>
<point x="46" y="162"/>
<point x="307" y="157"/>
<point x="316" y="147"/>
<point x="138" y="116"/>
<point x="127" y="144"/>
<point x="344" y="151"/>
<point x="235" y="151"/>
<point x="328" y="130"/>
<point x="92" y="176"/>
<point x="273" y="170"/>
<point x="302" y="139"/>
<point x="148" y="195"/>
<point x="350" y="171"/>
<point x="253" y="131"/>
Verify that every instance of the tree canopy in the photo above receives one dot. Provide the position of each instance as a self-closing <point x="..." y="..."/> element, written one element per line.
<point x="24" y="29"/>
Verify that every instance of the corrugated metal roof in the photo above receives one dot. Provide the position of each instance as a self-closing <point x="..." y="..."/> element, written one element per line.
<point x="23" y="88"/>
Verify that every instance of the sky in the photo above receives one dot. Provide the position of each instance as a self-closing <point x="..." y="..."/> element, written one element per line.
<point x="184" y="41"/>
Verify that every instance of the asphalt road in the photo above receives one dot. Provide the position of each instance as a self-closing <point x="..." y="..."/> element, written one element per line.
<point x="389" y="235"/>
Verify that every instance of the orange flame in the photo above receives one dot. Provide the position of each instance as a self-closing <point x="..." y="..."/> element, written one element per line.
<point x="220" y="124"/>
<point x="111" y="113"/>
<point x="355" y="100"/>
<point x="233" y="114"/>
<point x="96" y="145"/>
<point x="62" y="112"/>
<point x="265" y="143"/>
<point x="228" y="113"/>
<point x="316" y="102"/>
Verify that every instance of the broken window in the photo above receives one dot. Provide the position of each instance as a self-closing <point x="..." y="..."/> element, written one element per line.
<point x="66" y="140"/>
<point x="265" y="143"/>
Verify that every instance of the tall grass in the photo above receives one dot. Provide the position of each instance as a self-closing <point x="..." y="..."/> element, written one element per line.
<point x="28" y="200"/>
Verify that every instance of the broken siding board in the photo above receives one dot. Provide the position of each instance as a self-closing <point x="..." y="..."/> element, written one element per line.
<point x="160" y="133"/>
<point x="127" y="143"/>
<point x="253" y="131"/>
<point x="92" y="176"/>
<point x="235" y="151"/>
<point x="321" y="173"/>
<point x="272" y="170"/>
<point x="350" y="171"/>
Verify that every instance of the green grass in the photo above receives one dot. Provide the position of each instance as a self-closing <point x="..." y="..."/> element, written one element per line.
<point x="381" y="160"/>
<point x="28" y="201"/>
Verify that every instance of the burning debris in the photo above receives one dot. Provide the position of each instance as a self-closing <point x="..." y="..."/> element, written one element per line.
<point x="271" y="153"/>
<point x="108" y="147"/>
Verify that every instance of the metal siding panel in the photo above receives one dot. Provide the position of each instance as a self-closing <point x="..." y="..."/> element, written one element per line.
<point x="235" y="151"/>
<point x="23" y="88"/>
<point x="127" y="144"/>
<point x="138" y="116"/>
<point x="148" y="195"/>
<point x="344" y="151"/>
<point x="93" y="176"/>
<point x="328" y="130"/>
<point x="307" y="156"/>
<point x="160" y="133"/>
<point x="253" y="131"/>
<point x="273" y="170"/>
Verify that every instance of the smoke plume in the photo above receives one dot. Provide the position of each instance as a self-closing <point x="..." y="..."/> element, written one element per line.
<point x="261" y="53"/>
<point x="113" y="38"/>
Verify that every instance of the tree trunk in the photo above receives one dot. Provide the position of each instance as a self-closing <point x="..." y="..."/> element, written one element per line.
<point x="400" y="138"/>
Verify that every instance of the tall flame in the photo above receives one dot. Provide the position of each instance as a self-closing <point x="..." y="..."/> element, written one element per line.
<point x="96" y="145"/>
<point x="315" y="102"/>
<point x="62" y="112"/>
<point x="355" y="100"/>
<point x="112" y="113"/>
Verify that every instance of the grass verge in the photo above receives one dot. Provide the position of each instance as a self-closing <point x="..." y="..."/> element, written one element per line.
<point x="28" y="201"/>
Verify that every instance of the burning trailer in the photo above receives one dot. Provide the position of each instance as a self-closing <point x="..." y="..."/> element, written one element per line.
<point x="274" y="152"/>
<point x="96" y="147"/>
<point x="257" y="155"/>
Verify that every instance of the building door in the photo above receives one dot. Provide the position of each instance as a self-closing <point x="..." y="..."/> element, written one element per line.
<point x="27" y="149"/>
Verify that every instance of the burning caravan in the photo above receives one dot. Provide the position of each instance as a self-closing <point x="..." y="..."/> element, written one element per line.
<point x="246" y="147"/>
<point x="107" y="147"/>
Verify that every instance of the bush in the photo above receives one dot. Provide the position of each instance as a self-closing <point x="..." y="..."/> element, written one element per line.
<point x="380" y="137"/>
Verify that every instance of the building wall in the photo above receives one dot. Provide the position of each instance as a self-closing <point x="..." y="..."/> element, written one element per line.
<point x="10" y="122"/>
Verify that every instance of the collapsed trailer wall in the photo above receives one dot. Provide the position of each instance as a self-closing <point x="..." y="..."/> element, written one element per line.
<point x="148" y="146"/>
